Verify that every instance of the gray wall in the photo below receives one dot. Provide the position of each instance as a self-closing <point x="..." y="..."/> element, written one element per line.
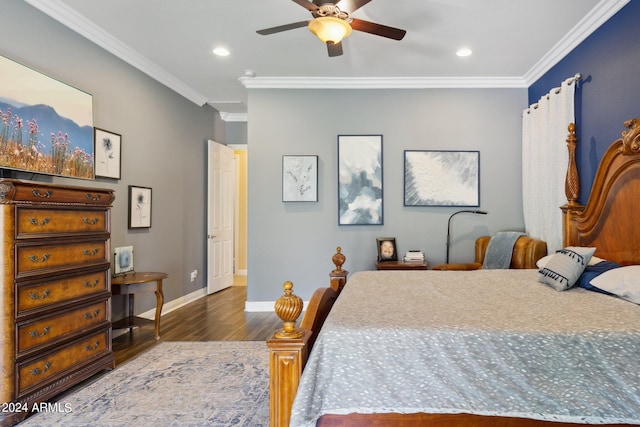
<point x="295" y="241"/>
<point x="163" y="144"/>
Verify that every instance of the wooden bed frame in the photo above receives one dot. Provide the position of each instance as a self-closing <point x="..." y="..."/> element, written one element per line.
<point x="608" y="221"/>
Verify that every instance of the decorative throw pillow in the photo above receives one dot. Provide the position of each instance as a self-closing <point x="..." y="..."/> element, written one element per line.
<point x="565" y="267"/>
<point x="594" y="270"/>
<point x="623" y="282"/>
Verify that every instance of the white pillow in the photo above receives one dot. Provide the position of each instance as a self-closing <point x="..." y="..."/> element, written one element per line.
<point x="564" y="267"/>
<point x="623" y="282"/>
<point x="594" y="260"/>
<point x="545" y="259"/>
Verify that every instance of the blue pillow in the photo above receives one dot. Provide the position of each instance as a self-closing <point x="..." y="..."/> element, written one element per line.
<point x="593" y="271"/>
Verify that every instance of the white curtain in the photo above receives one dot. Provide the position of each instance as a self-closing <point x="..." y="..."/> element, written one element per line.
<point x="544" y="162"/>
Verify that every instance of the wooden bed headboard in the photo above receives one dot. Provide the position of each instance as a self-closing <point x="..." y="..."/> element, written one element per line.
<point x="609" y="221"/>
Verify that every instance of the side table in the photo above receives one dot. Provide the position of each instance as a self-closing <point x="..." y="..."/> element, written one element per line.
<point x="401" y="265"/>
<point x="129" y="284"/>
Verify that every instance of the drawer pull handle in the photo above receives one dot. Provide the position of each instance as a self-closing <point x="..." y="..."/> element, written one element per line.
<point x="91" y="285"/>
<point x="90" y="253"/>
<point x="35" y="221"/>
<point x="34" y="295"/>
<point x="37" y="371"/>
<point x="44" y="195"/>
<point x="94" y="198"/>
<point x="34" y="258"/>
<point x="90" y="221"/>
<point x="90" y="347"/>
<point x="92" y="316"/>
<point x="44" y="332"/>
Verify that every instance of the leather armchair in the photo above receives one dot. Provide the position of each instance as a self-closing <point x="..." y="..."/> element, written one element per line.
<point x="526" y="252"/>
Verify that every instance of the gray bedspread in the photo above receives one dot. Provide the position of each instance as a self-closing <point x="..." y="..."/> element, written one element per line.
<point x="489" y="342"/>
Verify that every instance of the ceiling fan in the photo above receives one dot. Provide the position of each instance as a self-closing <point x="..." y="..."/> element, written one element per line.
<point x="331" y="23"/>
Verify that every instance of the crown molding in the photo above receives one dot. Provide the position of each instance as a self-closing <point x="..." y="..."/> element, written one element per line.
<point x="81" y="25"/>
<point x="380" y="82"/>
<point x="59" y="11"/>
<point x="597" y="16"/>
<point x="233" y="117"/>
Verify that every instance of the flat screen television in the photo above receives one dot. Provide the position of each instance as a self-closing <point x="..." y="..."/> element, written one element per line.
<point x="46" y="126"/>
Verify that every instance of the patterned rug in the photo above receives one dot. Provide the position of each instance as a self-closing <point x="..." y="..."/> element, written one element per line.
<point x="218" y="383"/>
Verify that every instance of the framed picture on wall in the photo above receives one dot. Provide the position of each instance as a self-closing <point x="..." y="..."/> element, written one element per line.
<point x="107" y="153"/>
<point x="139" y="207"/>
<point x="441" y="178"/>
<point x="299" y="178"/>
<point x="360" y="180"/>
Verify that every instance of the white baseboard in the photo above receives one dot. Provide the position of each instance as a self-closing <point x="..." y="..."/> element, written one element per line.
<point x="241" y="272"/>
<point x="175" y="304"/>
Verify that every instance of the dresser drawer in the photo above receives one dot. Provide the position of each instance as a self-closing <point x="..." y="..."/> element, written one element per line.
<point x="55" y="327"/>
<point x="34" y="259"/>
<point x="33" y="192"/>
<point x="31" y="222"/>
<point x="36" y="372"/>
<point x="44" y="294"/>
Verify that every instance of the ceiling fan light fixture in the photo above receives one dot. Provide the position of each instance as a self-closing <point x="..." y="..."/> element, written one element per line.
<point x="330" y="29"/>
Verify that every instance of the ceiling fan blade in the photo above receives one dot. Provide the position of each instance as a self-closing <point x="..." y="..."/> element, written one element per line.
<point x="351" y="6"/>
<point x="334" y="49"/>
<point x="377" y="29"/>
<point x="280" y="28"/>
<point x="307" y="5"/>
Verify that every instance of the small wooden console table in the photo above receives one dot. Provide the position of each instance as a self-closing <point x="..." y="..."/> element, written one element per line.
<point x="129" y="284"/>
<point x="401" y="265"/>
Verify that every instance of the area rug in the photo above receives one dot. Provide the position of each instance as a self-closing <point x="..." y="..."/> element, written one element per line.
<point x="218" y="383"/>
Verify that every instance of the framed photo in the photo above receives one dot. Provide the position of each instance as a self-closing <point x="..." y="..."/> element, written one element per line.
<point x="360" y="180"/>
<point x="387" y="250"/>
<point x="299" y="178"/>
<point x="441" y="178"/>
<point x="139" y="207"/>
<point x="46" y="125"/>
<point x="107" y="153"/>
<point x="123" y="260"/>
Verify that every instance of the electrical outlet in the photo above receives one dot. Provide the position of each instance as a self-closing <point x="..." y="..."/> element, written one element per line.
<point x="194" y="274"/>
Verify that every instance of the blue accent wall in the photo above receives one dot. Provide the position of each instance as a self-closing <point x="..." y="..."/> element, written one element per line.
<point x="609" y="93"/>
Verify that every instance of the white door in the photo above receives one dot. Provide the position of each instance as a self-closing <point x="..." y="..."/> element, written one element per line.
<point x="220" y="217"/>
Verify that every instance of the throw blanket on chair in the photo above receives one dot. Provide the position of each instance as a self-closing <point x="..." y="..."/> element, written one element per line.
<point x="500" y="250"/>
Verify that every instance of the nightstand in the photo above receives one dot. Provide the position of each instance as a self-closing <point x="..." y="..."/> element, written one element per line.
<point x="401" y="265"/>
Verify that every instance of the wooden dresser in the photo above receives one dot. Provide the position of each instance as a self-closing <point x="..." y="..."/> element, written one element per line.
<point x="55" y="300"/>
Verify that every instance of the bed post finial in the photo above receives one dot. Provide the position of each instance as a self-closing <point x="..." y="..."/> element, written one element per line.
<point x="572" y="181"/>
<point x="338" y="259"/>
<point x="631" y="137"/>
<point x="288" y="307"/>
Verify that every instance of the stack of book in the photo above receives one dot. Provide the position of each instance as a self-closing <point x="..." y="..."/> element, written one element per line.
<point x="413" y="256"/>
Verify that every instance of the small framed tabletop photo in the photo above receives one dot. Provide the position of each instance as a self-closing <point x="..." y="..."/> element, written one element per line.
<point x="139" y="207"/>
<point x="387" y="249"/>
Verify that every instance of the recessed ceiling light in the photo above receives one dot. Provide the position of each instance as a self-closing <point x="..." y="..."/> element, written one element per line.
<point x="221" y="51"/>
<point x="464" y="52"/>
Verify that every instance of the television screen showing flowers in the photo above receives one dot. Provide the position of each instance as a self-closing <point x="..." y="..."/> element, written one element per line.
<point x="46" y="126"/>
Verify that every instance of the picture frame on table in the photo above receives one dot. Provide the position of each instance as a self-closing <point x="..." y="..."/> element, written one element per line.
<point x="387" y="249"/>
<point x="107" y="151"/>
<point x="139" y="207"/>
<point x="123" y="260"/>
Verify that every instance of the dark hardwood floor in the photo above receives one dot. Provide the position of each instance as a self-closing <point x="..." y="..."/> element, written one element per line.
<point x="216" y="317"/>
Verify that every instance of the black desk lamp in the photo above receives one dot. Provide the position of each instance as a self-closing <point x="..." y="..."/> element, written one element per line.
<point x="449" y="226"/>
